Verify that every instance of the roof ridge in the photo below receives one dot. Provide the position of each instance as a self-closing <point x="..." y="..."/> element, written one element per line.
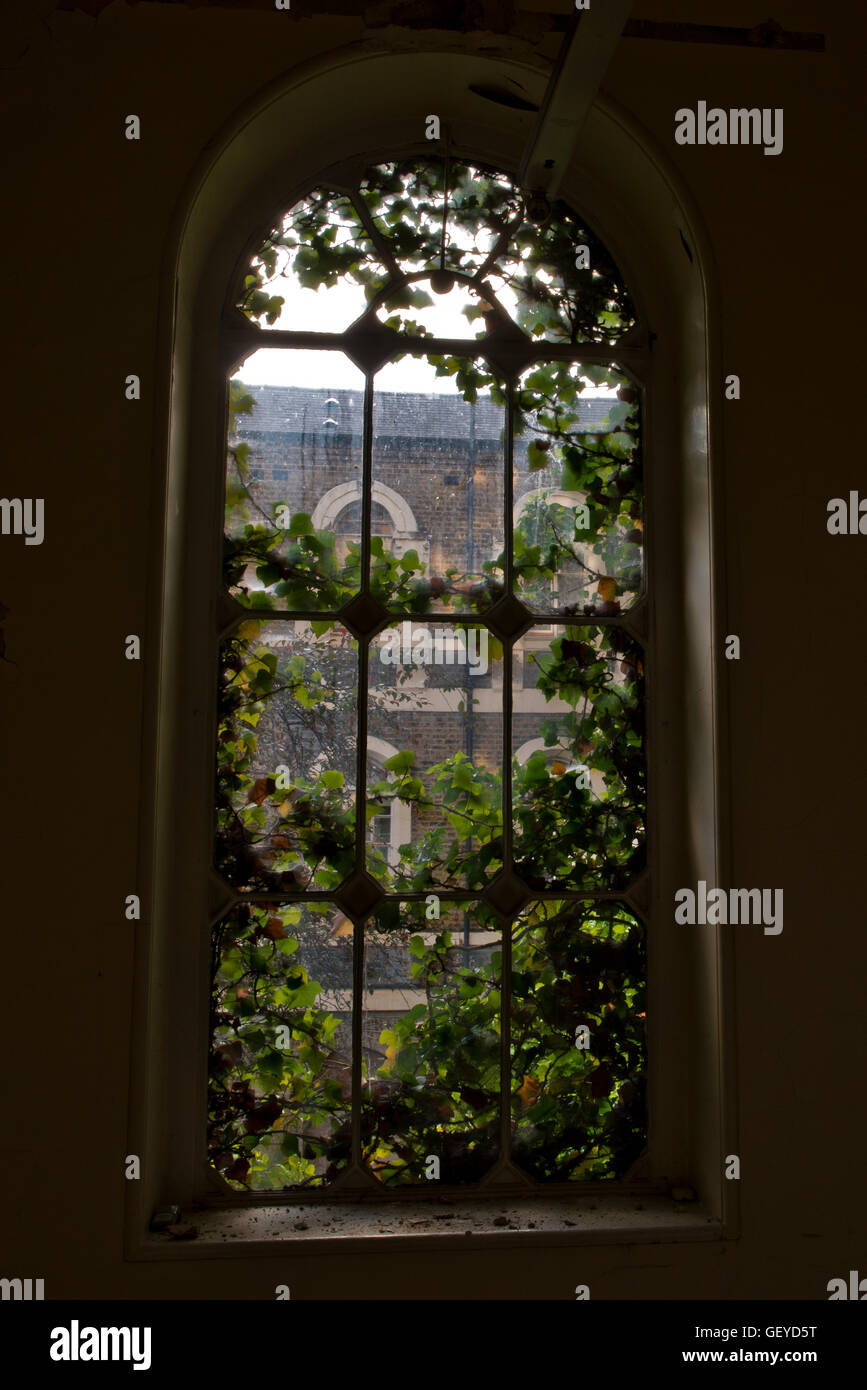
<point x="417" y="414"/>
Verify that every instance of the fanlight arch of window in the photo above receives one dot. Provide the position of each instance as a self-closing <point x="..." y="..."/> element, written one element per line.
<point x="327" y="510"/>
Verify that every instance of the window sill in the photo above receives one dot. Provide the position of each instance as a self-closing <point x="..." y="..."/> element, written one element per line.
<point x="472" y="1224"/>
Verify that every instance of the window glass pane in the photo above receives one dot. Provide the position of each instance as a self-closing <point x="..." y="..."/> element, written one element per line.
<point x="579" y="819"/>
<point x="556" y="298"/>
<point x="431" y="1103"/>
<point x="442" y="307"/>
<point x="578" y="493"/>
<point x="294" y="463"/>
<point x="405" y="199"/>
<point x="286" y="756"/>
<point x="281" y="1056"/>
<point x="556" y="280"/>
<point x="449" y="737"/>
<point x="316" y="271"/>
<point x="577" y="1040"/>
<point x="438" y="467"/>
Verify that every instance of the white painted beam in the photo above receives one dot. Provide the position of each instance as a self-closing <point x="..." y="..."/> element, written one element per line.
<point x="575" y="80"/>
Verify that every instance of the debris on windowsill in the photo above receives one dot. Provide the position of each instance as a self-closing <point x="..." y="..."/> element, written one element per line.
<point x="561" y="1219"/>
<point x="182" y="1231"/>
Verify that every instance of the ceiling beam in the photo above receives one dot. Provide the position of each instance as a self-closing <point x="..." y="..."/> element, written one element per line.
<point x="581" y="65"/>
<point x="767" y="35"/>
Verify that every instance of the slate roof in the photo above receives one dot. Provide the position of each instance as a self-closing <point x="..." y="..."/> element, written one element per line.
<point x="299" y="410"/>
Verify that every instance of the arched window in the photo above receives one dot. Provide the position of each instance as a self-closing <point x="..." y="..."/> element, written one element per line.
<point x="500" y="409"/>
<point x="544" y="335"/>
<point x="392" y="826"/>
<point x="342" y="509"/>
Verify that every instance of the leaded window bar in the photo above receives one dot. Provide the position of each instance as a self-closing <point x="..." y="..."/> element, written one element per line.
<point x="465" y="1011"/>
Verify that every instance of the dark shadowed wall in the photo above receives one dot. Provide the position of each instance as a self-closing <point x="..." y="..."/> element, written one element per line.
<point x="85" y="231"/>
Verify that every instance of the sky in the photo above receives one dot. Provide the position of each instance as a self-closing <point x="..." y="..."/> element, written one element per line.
<point x="331" y="310"/>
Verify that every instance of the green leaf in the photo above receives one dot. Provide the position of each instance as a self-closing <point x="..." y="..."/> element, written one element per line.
<point x="400" y="762"/>
<point x="536" y="768"/>
<point x="269" y="574"/>
<point x="537" y="457"/>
